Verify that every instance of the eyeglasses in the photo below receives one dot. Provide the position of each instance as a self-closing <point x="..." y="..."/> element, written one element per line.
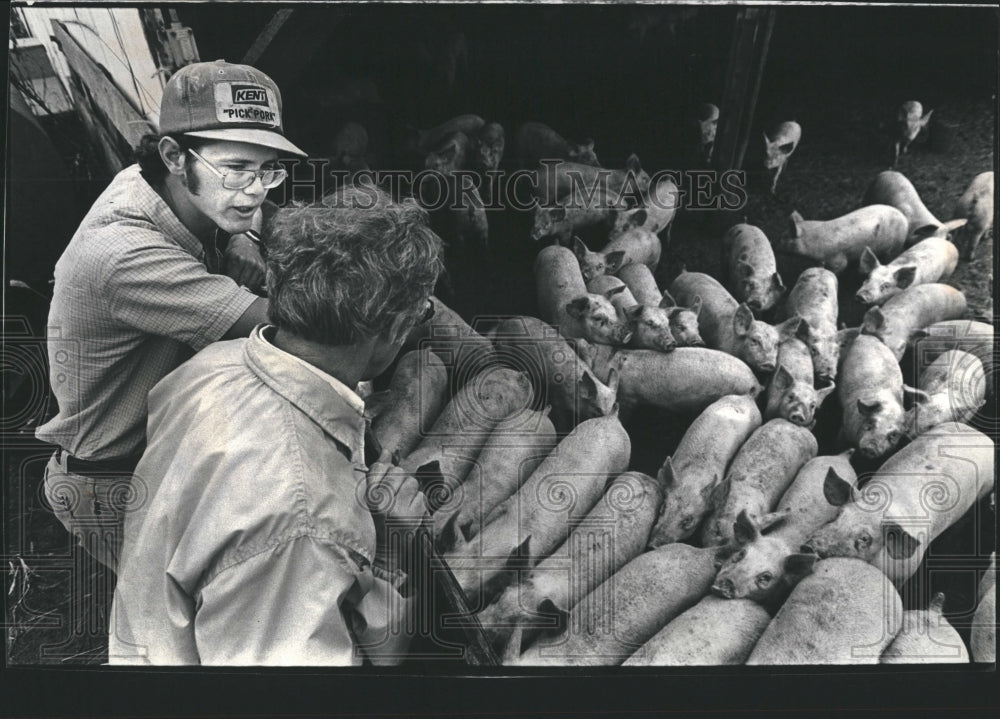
<point x="428" y="313"/>
<point x="242" y="179"/>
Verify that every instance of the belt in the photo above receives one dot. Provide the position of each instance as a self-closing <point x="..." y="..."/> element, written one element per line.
<point x="87" y="467"/>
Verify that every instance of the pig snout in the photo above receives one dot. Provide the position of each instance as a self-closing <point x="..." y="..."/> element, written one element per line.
<point x="755" y="305"/>
<point x="724" y="588"/>
<point x="798" y="417"/>
<point x="863" y="297"/>
<point x="815" y="545"/>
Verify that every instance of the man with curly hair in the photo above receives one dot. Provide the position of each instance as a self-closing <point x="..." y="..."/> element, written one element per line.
<point x="264" y="538"/>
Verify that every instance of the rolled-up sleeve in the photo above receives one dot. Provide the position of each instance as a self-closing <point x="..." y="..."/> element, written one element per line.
<point x="165" y="291"/>
<point x="301" y="602"/>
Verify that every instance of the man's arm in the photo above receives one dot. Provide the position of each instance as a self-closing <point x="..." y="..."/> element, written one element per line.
<point x="255" y="314"/>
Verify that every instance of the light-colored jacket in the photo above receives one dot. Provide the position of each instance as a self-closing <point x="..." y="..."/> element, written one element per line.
<point x="252" y="543"/>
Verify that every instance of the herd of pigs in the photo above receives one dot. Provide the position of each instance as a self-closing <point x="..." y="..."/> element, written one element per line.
<point x="747" y="546"/>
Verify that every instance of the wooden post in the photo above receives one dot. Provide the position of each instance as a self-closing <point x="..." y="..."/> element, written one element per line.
<point x="743" y="77"/>
<point x="290" y="40"/>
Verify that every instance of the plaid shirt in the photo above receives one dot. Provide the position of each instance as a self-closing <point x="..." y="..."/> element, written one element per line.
<point x="133" y="299"/>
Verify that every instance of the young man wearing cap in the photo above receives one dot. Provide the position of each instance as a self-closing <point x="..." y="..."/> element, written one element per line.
<point x="144" y="283"/>
<point x="264" y="538"/>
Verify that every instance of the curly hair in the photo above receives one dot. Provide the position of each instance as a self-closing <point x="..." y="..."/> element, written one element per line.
<point x="342" y="270"/>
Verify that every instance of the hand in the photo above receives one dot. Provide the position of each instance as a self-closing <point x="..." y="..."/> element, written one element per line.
<point x="243" y="262"/>
<point x="393" y="496"/>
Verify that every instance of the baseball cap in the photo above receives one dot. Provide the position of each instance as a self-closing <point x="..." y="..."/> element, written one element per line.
<point x="223" y="101"/>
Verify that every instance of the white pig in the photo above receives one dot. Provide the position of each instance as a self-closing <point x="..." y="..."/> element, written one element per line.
<point x="779" y="146"/>
<point x="870" y="389"/>
<point x="790" y="393"/>
<point x="893" y="188"/>
<point x="975" y="205"/>
<point x="951" y="389"/>
<point x="840" y="241"/>
<point x="636" y="245"/>
<point x="897" y="321"/>
<point x="753" y="274"/>
<point x="927" y="261"/>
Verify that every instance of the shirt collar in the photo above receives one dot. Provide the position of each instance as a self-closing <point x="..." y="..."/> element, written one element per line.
<point x="339" y="412"/>
<point x="159" y="211"/>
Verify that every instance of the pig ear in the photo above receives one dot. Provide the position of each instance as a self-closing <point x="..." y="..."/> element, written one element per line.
<point x="745" y="530"/>
<point x="588" y="386"/>
<point x="549" y="608"/>
<point x="557" y="214"/>
<point x="666" y="302"/>
<point x="917" y="395"/>
<point x="796" y="219"/>
<point x="767" y="140"/>
<point x="868" y="408"/>
<point x="666" y="474"/>
<point x="773" y="520"/>
<point x="579" y="249"/>
<point x="937" y="604"/>
<point x="873" y="322"/>
<point x="632" y="163"/>
<point x="614" y="377"/>
<point x="638" y="218"/>
<point x="632" y="314"/>
<point x="448" y="538"/>
<point x="719" y="494"/>
<point x="777" y="282"/>
<point x="578" y="307"/>
<point x="836" y="489"/>
<point x="927" y="231"/>
<point x="803" y="331"/>
<point x="782" y="379"/>
<point x="899" y="543"/>
<point x="744" y="269"/>
<point x="613" y="261"/>
<point x="696" y="305"/>
<point x="957" y="223"/>
<point x="616" y="290"/>
<point x="905" y="276"/>
<point x="869" y="261"/>
<point x="926" y="118"/>
<point x="742" y="320"/>
<point x="706" y="491"/>
<point x="799" y="565"/>
<point x="824" y="392"/>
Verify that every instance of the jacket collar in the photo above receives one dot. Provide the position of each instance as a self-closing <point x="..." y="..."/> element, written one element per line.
<point x="313" y="396"/>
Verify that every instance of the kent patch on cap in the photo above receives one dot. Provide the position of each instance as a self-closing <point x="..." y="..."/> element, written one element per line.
<point x="222" y="101"/>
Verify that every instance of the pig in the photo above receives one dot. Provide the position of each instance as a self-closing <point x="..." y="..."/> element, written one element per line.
<point x="760" y="473"/>
<point x="790" y="392"/>
<point x="916" y="495"/>
<point x="767" y="561"/>
<point x="814" y="299"/>
<point x="655" y="216"/>
<point x="686" y="380"/>
<point x="951" y="389"/>
<point x="845" y="612"/>
<point x="893" y="188"/>
<point x="562" y="223"/>
<point x="683" y="320"/>
<point x="636" y="245"/>
<point x="779" y="146"/>
<point x="753" y="274"/>
<point x="650" y="326"/>
<point x="454" y="152"/>
<point x="533" y="522"/>
<point x="608" y="625"/>
<point x="417" y="393"/>
<point x="450" y="446"/>
<point x="871" y="394"/>
<point x="729" y="326"/>
<point x="927" y="261"/>
<point x="713" y="632"/>
<point x="965" y="335"/>
<point x="707" y="123"/>
<point x="566" y="381"/>
<point x="513" y="451"/>
<point x="983" y="641"/>
<point x="901" y="316"/>
<point x="565" y="303"/>
<point x="976" y="206"/>
<point x="840" y="241"/>
<point x="926" y="637"/>
<point x="613" y="533"/>
<point x="427" y="141"/>
<point x="557" y="181"/>
<point x="489" y="147"/>
<point x="910" y="120"/>
<point x="699" y="463"/>
<point x="536" y="141"/>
